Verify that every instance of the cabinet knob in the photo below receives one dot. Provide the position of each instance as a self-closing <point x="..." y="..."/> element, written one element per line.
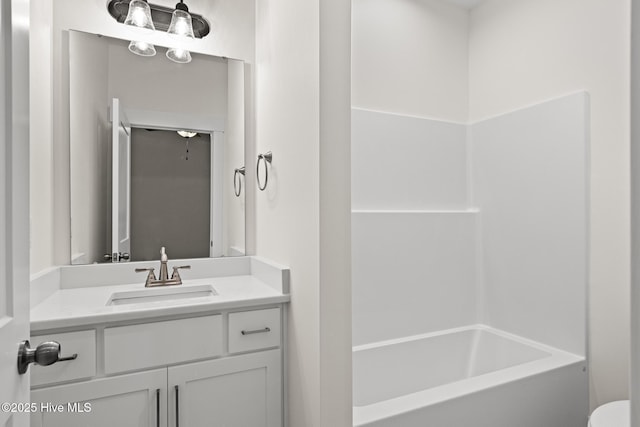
<point x="44" y="354"/>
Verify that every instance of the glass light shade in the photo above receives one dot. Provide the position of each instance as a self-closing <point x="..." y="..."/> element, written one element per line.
<point x="142" y="48"/>
<point x="139" y="15"/>
<point x="181" y="24"/>
<point x="180" y="56"/>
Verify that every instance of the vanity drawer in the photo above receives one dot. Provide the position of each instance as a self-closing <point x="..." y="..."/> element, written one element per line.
<point x="254" y="330"/>
<point x="84" y="366"/>
<point x="147" y="345"/>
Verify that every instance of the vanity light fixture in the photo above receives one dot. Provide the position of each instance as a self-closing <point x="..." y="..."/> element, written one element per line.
<point x="180" y="26"/>
<point x="161" y="16"/>
<point x="177" y="21"/>
<point x="139" y="15"/>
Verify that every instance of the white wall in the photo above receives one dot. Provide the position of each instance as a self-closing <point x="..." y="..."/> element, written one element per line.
<point x="287" y="123"/>
<point x="335" y="214"/>
<point x="234" y="136"/>
<point x="410" y="57"/>
<point x="635" y="216"/>
<point x="302" y="104"/>
<point x="523" y="52"/>
<point x="40" y="129"/>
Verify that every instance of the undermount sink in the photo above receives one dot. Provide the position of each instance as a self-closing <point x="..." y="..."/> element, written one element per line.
<point x="161" y="294"/>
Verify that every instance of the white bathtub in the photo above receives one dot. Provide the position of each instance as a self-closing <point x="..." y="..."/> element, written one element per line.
<point x="472" y="376"/>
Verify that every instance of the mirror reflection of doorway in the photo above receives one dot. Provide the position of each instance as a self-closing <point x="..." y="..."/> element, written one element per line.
<point x="170" y="194"/>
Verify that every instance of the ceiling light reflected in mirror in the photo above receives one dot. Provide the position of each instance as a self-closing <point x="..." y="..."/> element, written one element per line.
<point x="142" y="48"/>
<point x="187" y="133"/>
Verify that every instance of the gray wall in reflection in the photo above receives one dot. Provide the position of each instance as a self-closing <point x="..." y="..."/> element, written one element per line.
<point x="170" y="195"/>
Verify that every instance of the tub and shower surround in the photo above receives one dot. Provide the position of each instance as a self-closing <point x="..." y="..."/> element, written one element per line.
<point x="481" y="227"/>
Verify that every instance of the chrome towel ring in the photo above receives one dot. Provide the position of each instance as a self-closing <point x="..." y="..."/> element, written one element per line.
<point x="237" y="181"/>
<point x="266" y="158"/>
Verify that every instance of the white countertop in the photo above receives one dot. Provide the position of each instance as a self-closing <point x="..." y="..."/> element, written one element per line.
<point x="70" y="307"/>
<point x="84" y="306"/>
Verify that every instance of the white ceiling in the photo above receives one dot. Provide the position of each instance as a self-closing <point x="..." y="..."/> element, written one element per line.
<point x="465" y="3"/>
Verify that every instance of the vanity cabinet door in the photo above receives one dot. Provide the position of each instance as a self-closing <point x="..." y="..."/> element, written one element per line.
<point x="237" y="391"/>
<point x="135" y="400"/>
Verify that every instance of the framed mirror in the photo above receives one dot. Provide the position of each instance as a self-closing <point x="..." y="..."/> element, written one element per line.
<point x="154" y="149"/>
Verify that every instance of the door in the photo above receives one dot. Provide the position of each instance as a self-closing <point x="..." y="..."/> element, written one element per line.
<point x="121" y="183"/>
<point x="236" y="391"/>
<point x="14" y="204"/>
<point x="134" y="400"/>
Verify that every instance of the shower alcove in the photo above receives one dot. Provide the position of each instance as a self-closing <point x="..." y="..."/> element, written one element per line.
<point x="469" y="237"/>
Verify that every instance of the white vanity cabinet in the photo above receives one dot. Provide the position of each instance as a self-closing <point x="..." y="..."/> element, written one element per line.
<point x="133" y="400"/>
<point x="235" y="392"/>
<point x="221" y="369"/>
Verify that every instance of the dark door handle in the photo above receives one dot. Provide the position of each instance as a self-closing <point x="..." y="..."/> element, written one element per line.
<point x="45" y="354"/>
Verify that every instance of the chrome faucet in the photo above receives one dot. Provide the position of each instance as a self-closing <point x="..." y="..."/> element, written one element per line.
<point x="164" y="279"/>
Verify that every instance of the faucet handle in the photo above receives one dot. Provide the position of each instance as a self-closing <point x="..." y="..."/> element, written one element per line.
<point x="176" y="274"/>
<point x="152" y="274"/>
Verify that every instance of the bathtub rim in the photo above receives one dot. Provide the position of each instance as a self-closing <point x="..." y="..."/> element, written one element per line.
<point x="363" y="415"/>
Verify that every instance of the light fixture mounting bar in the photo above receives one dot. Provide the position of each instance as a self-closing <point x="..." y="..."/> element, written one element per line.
<point x="160" y="15"/>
